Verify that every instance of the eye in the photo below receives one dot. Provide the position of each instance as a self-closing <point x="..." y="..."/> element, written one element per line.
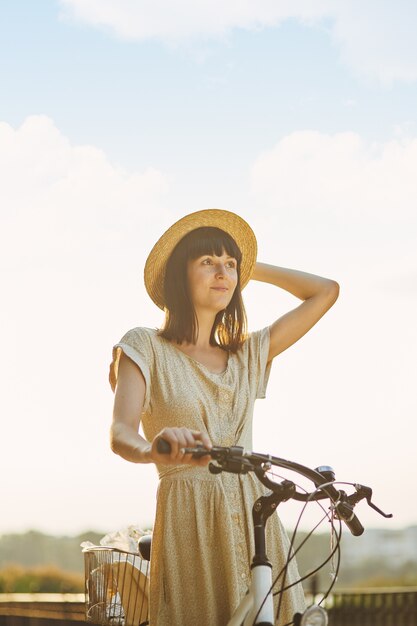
<point x="232" y="263"/>
<point x="207" y="261"/>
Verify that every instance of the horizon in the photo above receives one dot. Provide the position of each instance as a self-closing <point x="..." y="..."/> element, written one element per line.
<point x="81" y="534"/>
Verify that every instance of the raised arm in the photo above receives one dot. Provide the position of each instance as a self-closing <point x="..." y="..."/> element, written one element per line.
<point x="125" y="439"/>
<point x="318" y="293"/>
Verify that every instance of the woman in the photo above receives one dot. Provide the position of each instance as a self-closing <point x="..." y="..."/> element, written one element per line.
<point x="196" y="381"/>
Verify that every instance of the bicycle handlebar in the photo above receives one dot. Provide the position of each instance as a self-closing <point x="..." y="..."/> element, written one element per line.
<point x="235" y="460"/>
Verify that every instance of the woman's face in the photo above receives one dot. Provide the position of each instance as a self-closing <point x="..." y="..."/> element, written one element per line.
<point x="212" y="281"/>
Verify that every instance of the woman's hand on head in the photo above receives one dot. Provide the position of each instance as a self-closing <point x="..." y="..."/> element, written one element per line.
<point x="178" y="439"/>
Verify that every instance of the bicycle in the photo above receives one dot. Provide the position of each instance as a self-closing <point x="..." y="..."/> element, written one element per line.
<point x="256" y="608"/>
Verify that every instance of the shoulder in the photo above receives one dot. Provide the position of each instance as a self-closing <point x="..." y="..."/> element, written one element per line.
<point x="256" y="340"/>
<point x="255" y="358"/>
<point x="138" y="345"/>
<point x="255" y="349"/>
<point x="139" y="336"/>
<point x="141" y="332"/>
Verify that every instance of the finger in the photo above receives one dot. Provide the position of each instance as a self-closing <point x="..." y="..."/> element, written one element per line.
<point x="181" y="456"/>
<point x="188" y="456"/>
<point x="202" y="438"/>
<point x="205" y="440"/>
<point x="188" y="440"/>
<point x="187" y="437"/>
<point x="170" y="435"/>
<point x="182" y="438"/>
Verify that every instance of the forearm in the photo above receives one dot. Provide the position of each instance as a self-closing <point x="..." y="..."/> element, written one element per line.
<point x="128" y="444"/>
<point x="300" y="284"/>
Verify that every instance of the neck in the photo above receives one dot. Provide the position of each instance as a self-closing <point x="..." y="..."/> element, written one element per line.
<point x="205" y="322"/>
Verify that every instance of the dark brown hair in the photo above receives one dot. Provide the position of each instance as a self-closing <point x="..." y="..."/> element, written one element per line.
<point x="229" y="328"/>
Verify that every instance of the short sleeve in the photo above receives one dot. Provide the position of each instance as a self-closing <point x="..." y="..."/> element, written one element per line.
<point x="136" y="344"/>
<point x="259" y="367"/>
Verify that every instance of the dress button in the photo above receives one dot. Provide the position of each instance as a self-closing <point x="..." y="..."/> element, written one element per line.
<point x="243" y="576"/>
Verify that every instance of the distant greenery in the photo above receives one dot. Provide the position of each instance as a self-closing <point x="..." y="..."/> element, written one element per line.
<point x="375" y="572"/>
<point x="33" y="549"/>
<point x="35" y="562"/>
<point x="43" y="579"/>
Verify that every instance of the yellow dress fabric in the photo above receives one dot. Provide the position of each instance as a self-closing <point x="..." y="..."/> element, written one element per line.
<point x="202" y="538"/>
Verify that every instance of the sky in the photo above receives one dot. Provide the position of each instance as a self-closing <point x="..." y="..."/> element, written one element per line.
<point x="116" y="119"/>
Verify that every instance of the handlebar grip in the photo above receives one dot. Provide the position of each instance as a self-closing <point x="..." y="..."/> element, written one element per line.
<point x="163" y="446"/>
<point x="345" y="512"/>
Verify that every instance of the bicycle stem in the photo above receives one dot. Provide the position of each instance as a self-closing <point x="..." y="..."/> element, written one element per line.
<point x="263" y="508"/>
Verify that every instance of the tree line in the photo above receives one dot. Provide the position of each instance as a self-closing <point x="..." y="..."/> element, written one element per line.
<point x="34" y="562"/>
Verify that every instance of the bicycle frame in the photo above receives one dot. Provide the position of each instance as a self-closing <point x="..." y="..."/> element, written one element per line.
<point x="258" y="603"/>
<point x="257" y="606"/>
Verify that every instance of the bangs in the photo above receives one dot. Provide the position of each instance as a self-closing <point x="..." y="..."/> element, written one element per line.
<point x="212" y="241"/>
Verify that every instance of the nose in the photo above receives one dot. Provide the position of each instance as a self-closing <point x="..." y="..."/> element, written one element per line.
<point x="220" y="270"/>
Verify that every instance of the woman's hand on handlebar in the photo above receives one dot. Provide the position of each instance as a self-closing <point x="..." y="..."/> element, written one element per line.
<point x="178" y="439"/>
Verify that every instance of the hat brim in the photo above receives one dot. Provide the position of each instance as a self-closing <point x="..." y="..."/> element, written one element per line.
<point x="234" y="225"/>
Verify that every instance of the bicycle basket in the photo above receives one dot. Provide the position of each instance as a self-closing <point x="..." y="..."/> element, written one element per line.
<point x="116" y="587"/>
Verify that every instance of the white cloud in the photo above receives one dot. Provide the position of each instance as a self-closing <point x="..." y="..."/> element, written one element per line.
<point x="73" y="225"/>
<point x="340" y="177"/>
<point x="376" y="38"/>
<point x="177" y="19"/>
<point x="57" y="197"/>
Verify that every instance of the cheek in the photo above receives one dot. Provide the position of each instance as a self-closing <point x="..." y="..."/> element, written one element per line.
<point x="196" y="279"/>
<point x="191" y="285"/>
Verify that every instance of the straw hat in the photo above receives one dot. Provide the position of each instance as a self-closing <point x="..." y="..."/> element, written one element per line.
<point x="231" y="223"/>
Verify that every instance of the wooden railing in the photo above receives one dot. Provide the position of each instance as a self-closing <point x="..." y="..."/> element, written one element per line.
<point x="40" y="609"/>
<point x="369" y="607"/>
<point x="373" y="607"/>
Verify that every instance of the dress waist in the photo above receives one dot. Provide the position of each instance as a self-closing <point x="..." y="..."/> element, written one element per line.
<point x="190" y="474"/>
<point x="184" y="472"/>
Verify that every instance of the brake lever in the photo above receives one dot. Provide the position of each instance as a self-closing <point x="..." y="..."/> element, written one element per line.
<point x="232" y="466"/>
<point x="373" y="506"/>
<point x="363" y="492"/>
